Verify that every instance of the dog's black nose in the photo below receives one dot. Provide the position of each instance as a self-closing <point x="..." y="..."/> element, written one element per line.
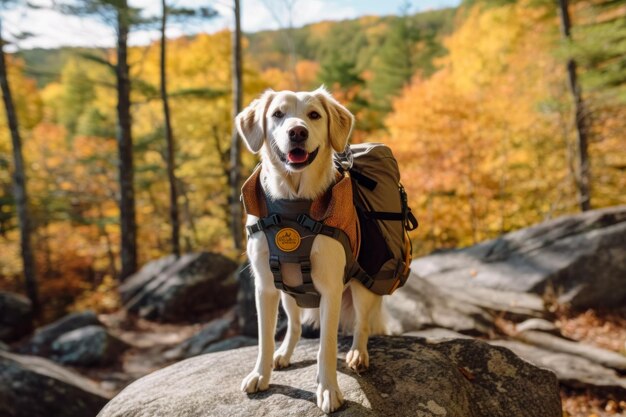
<point x="298" y="134"/>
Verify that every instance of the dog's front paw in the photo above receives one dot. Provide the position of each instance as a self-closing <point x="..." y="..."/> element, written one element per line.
<point x="359" y="360"/>
<point x="329" y="398"/>
<point x="281" y="359"/>
<point x="255" y="382"/>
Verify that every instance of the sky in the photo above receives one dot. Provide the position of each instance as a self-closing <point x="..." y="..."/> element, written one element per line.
<point x="52" y="29"/>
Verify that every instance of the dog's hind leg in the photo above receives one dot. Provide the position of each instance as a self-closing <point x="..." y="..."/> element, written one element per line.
<point x="294" y="329"/>
<point x="366" y="304"/>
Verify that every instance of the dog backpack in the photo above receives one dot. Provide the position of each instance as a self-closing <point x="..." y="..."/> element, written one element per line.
<point x="368" y="194"/>
<point x="384" y="216"/>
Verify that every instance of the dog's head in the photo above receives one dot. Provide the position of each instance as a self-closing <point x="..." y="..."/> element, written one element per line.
<point x="294" y="130"/>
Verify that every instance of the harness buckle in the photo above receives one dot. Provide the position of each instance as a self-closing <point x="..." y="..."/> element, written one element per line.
<point x="272" y="220"/>
<point x="309" y="223"/>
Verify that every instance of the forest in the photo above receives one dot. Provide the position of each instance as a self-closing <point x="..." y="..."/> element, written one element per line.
<point x="501" y="113"/>
<point x="474" y="102"/>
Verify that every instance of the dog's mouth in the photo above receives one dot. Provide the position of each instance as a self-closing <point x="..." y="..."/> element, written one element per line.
<point x="298" y="157"/>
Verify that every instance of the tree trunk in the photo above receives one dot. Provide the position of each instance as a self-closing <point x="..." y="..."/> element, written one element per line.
<point x="19" y="184"/>
<point x="583" y="180"/>
<point x="235" y="146"/>
<point x="169" y="137"/>
<point x="125" y="148"/>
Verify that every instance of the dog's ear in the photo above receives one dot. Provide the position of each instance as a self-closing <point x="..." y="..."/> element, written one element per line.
<point x="340" y="120"/>
<point x="251" y="123"/>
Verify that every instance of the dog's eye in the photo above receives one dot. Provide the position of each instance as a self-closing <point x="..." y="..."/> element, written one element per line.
<point x="314" y="115"/>
<point x="278" y="114"/>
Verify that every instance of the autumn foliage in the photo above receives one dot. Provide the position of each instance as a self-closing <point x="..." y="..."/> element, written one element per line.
<point x="486" y="144"/>
<point x="478" y="115"/>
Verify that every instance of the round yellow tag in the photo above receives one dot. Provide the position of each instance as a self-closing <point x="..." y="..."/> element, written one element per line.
<point x="287" y="239"/>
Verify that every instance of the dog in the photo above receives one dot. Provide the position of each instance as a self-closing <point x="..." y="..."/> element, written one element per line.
<point x="296" y="134"/>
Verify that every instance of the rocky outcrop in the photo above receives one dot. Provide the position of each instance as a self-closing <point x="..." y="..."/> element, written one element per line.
<point x="576" y="365"/>
<point x="235" y="342"/>
<point x="87" y="346"/>
<point x="246" y="308"/>
<point x="77" y="339"/>
<point x="212" y="333"/>
<point x="422" y="304"/>
<point x="16" y="316"/>
<point x="36" y="387"/>
<point x="182" y="289"/>
<point x="581" y="258"/>
<point x="408" y="377"/>
<point x="572" y="370"/>
<point x="41" y="343"/>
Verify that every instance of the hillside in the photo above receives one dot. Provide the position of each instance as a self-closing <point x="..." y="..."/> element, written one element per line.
<point x="355" y="41"/>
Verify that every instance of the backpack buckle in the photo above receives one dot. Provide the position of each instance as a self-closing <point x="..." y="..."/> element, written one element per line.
<point x="272" y="220"/>
<point x="309" y="223"/>
<point x="345" y="158"/>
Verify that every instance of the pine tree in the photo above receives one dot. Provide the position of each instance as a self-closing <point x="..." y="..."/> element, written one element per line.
<point x="19" y="180"/>
<point x="122" y="17"/>
<point x="235" y="145"/>
<point x="583" y="179"/>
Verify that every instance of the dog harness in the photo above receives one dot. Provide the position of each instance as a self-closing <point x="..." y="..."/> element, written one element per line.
<point x="291" y="226"/>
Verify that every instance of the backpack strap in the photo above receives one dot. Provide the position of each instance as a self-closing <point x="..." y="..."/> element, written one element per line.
<point x="359" y="274"/>
<point x="410" y="222"/>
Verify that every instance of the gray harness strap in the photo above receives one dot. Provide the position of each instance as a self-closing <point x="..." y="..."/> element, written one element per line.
<point x="290" y="233"/>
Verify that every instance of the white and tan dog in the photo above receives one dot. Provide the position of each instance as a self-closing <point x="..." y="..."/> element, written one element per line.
<point x="297" y="134"/>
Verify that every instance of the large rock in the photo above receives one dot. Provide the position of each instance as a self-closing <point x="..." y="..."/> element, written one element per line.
<point x="235" y="342"/>
<point x="408" y="377"/>
<point x="212" y="333"/>
<point x="35" y="387"/>
<point x="581" y="257"/>
<point x="171" y="289"/>
<point x="576" y="366"/>
<point x="87" y="346"/>
<point x="246" y="306"/>
<point x="41" y="343"/>
<point x="572" y="370"/>
<point x="16" y="316"/>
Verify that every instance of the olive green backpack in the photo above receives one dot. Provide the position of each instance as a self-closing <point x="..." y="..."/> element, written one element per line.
<point x="384" y="216"/>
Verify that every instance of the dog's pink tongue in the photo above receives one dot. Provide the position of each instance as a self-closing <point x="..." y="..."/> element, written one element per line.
<point x="298" y="156"/>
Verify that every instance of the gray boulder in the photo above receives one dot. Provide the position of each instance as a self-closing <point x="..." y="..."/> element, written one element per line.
<point x="572" y="370"/>
<point x="36" y="387"/>
<point x="212" y="333"/>
<point x="41" y="343"/>
<point x="16" y="316"/>
<point x="87" y="346"/>
<point x="581" y="257"/>
<point x="133" y="285"/>
<point x="235" y="342"/>
<point x="408" y="377"/>
<point x="246" y="306"/>
<point x="182" y="289"/>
